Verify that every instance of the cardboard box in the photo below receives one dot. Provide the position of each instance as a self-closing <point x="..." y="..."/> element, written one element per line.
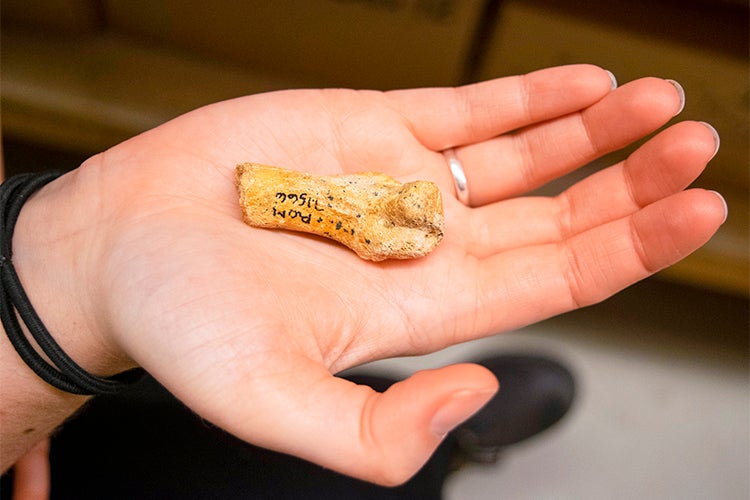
<point x="379" y="44"/>
<point x="530" y="36"/>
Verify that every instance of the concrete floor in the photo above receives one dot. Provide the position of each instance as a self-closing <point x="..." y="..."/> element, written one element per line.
<point x="663" y="405"/>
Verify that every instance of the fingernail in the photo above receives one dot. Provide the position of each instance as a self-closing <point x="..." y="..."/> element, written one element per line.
<point x="717" y="139"/>
<point x="726" y="207"/>
<point x="457" y="408"/>
<point x="612" y="78"/>
<point x="681" y="93"/>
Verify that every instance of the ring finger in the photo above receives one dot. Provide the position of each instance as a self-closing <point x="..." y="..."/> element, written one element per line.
<point x="663" y="166"/>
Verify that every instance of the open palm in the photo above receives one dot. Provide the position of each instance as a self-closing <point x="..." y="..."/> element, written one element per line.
<point x="247" y="326"/>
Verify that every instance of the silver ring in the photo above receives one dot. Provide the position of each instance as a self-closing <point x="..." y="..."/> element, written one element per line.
<point x="459" y="177"/>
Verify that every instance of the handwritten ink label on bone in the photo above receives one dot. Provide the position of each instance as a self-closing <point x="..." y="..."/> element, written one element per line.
<point x="295" y="203"/>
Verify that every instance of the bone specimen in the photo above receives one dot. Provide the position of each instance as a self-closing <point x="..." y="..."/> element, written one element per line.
<point x="371" y="213"/>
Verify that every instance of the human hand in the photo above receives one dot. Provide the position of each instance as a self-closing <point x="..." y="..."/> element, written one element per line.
<point x="247" y="326"/>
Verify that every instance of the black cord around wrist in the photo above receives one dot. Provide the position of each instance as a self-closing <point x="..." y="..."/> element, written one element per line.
<point x="64" y="373"/>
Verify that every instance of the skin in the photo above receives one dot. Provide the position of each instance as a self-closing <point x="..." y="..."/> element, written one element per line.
<point x="139" y="257"/>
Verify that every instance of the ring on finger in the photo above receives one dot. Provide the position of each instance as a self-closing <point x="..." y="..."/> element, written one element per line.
<point x="459" y="176"/>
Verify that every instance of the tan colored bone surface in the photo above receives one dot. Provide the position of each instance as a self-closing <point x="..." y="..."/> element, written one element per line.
<point x="373" y="214"/>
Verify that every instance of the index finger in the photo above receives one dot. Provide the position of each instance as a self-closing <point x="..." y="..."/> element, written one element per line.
<point x="446" y="117"/>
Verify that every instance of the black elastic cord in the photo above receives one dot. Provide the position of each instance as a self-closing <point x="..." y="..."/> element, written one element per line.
<point x="68" y="376"/>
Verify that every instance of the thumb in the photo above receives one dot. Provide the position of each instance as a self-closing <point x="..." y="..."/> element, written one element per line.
<point x="383" y="438"/>
<point x="404" y="425"/>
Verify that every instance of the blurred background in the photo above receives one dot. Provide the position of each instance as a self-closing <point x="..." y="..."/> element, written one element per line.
<point x="663" y="408"/>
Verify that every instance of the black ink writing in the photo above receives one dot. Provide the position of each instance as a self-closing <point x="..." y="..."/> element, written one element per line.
<point x="299" y="199"/>
<point x="292" y="214"/>
<point x="294" y="205"/>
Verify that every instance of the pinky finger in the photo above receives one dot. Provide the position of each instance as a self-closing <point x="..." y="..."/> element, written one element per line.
<point x="525" y="285"/>
<point x="608" y="258"/>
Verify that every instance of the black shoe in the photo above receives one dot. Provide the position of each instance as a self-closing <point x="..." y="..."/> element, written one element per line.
<point x="535" y="393"/>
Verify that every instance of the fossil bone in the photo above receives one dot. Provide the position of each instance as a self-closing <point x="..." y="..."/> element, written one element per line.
<point x="371" y="213"/>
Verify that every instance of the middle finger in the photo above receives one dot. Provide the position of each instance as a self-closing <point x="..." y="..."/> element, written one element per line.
<point x="515" y="163"/>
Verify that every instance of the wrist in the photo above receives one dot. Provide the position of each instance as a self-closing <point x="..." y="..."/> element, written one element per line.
<point x="56" y="254"/>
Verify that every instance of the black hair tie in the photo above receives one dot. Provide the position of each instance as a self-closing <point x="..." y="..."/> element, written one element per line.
<point x="65" y="374"/>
